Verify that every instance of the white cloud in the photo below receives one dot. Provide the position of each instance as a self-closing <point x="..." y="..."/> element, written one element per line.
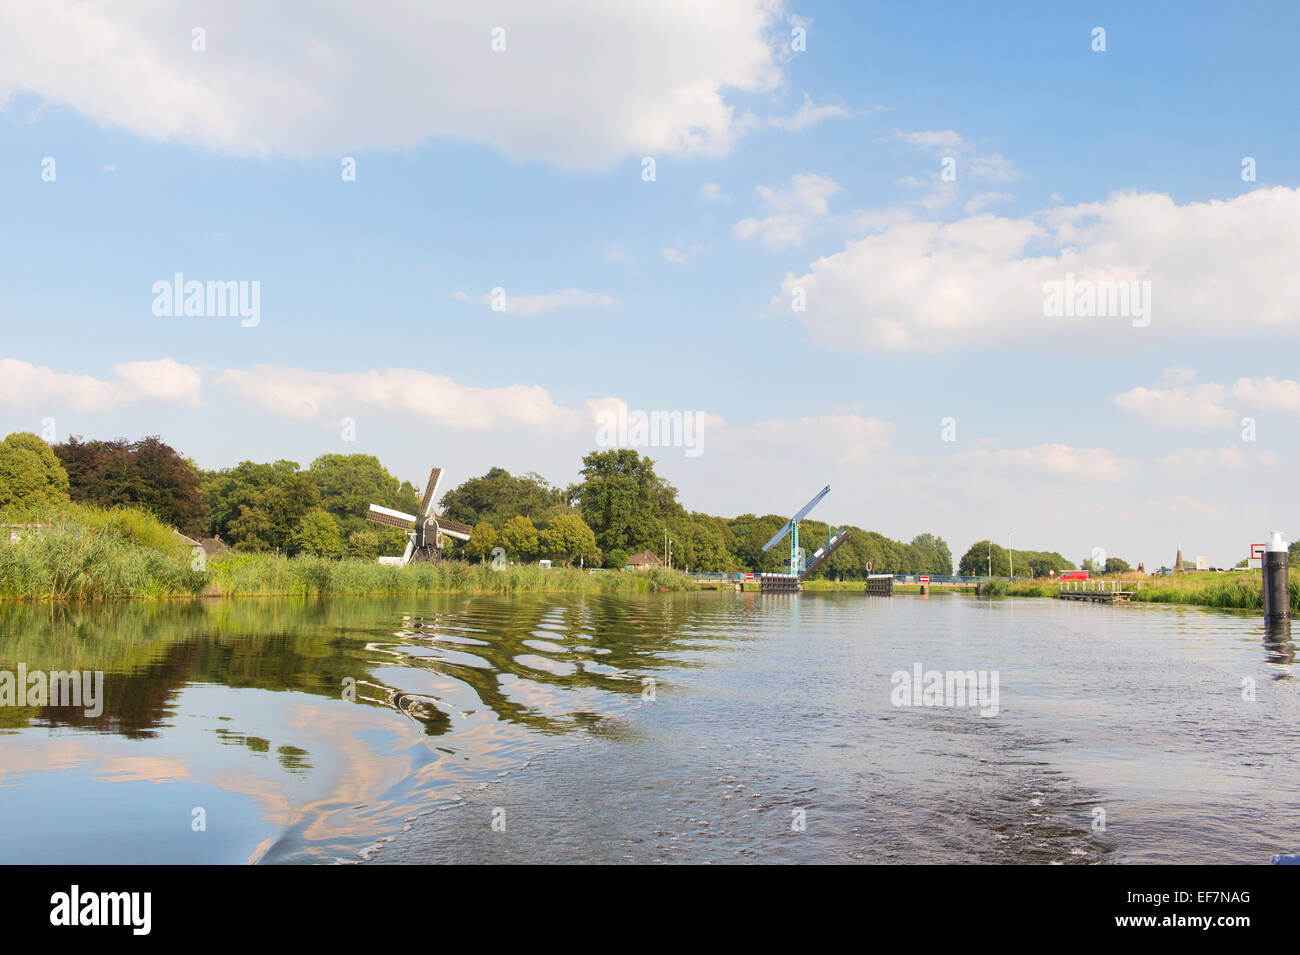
<point x="24" y="385"/>
<point x="1198" y="461"/>
<point x="795" y="210"/>
<point x="545" y="301"/>
<point x="712" y="192"/>
<point x="808" y="115"/>
<point x="1196" y="408"/>
<point x="1086" y="464"/>
<point x="1219" y="268"/>
<point x="678" y="256"/>
<point x="940" y="139"/>
<point x="828" y="437"/>
<point x="1180" y="404"/>
<point x="163" y="380"/>
<point x="323" y="396"/>
<point x="984" y="200"/>
<point x="578" y="84"/>
<point x="948" y="143"/>
<point x="1271" y="394"/>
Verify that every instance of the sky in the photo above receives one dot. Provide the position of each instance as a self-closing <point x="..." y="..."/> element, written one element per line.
<point x="830" y="236"/>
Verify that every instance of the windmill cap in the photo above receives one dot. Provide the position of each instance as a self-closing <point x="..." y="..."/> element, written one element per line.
<point x="1275" y="542"/>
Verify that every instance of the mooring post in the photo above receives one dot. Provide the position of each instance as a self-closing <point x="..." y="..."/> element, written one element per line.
<point x="1277" y="588"/>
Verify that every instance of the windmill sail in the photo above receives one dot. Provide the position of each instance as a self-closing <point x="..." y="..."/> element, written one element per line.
<point x="430" y="493"/>
<point x="390" y="517"/>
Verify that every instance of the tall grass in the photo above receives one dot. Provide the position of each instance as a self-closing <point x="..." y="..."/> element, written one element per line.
<point x="120" y="553"/>
<point x="264" y="574"/>
<point x="74" y="562"/>
<point x="1239" y="590"/>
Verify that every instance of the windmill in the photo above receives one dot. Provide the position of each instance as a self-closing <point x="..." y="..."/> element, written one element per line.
<point x="799" y="569"/>
<point x="425" y="532"/>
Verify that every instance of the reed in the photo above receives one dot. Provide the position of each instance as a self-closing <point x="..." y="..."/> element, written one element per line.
<point x="98" y="554"/>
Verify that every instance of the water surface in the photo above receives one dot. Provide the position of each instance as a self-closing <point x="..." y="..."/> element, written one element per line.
<point x="691" y="727"/>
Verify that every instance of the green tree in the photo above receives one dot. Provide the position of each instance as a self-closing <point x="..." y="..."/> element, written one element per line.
<point x="481" y="541"/>
<point x="1116" y="566"/>
<point x="519" y="538"/>
<point x="349" y="483"/>
<point x="568" y="538"/>
<point x="317" y="534"/>
<point x="935" y="555"/>
<point x="230" y="490"/>
<point x="30" y="474"/>
<point x="363" y="545"/>
<point x="270" y="518"/>
<point x="498" y="496"/>
<point x="623" y="501"/>
<point x="699" y="543"/>
<point x="975" y="562"/>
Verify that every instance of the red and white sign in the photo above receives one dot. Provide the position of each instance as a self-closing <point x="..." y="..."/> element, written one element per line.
<point x="749" y="576"/>
<point x="1256" y="561"/>
<point x="925" y="580"/>
<point x="868" y="566"/>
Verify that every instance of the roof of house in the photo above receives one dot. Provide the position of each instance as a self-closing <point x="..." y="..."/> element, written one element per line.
<point x="644" y="557"/>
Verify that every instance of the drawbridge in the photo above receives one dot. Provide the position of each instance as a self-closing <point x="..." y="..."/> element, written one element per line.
<point x="800" y="565"/>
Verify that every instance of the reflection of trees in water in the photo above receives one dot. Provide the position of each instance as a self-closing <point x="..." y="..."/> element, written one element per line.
<point x="633" y="637"/>
<point x="149" y="650"/>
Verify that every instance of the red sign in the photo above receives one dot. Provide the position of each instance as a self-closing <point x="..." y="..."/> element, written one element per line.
<point x="749" y="576"/>
<point x="1256" y="551"/>
<point x="925" y="580"/>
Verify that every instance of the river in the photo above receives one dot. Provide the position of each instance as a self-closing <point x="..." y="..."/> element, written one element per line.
<point x="708" y="727"/>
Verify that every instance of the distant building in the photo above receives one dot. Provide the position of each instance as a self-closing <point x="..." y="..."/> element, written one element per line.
<point x="213" y="546"/>
<point x="643" y="560"/>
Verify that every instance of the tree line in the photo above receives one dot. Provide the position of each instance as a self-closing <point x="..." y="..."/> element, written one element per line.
<point x="617" y="508"/>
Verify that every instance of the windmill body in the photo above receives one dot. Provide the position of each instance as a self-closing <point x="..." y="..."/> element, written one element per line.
<point x="426" y="532"/>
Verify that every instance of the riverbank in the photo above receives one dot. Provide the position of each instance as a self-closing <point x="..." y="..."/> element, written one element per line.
<point x="78" y="562"/>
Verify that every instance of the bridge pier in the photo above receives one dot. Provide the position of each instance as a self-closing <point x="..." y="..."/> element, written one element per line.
<point x="779" y="583"/>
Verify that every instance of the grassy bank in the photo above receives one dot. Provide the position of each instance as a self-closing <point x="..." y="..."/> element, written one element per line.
<point x="105" y="555"/>
<point x="1240" y="590"/>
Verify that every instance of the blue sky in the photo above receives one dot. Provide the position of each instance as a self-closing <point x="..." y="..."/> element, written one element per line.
<point x="774" y="168"/>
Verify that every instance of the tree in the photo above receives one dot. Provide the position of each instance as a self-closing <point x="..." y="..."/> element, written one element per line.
<point x="363" y="545"/>
<point x="623" y="501"/>
<point x="975" y="562"/>
<point x="481" y="541"/>
<point x="230" y="490"/>
<point x="145" y="473"/>
<point x="569" y="538"/>
<point x="936" y="556"/>
<point x="1116" y="566"/>
<point x="699" y="543"/>
<point x="349" y="483"/>
<point x="30" y="473"/>
<point x="498" y="496"/>
<point x="519" y="537"/>
<point x="271" y="516"/>
<point x="317" y="534"/>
